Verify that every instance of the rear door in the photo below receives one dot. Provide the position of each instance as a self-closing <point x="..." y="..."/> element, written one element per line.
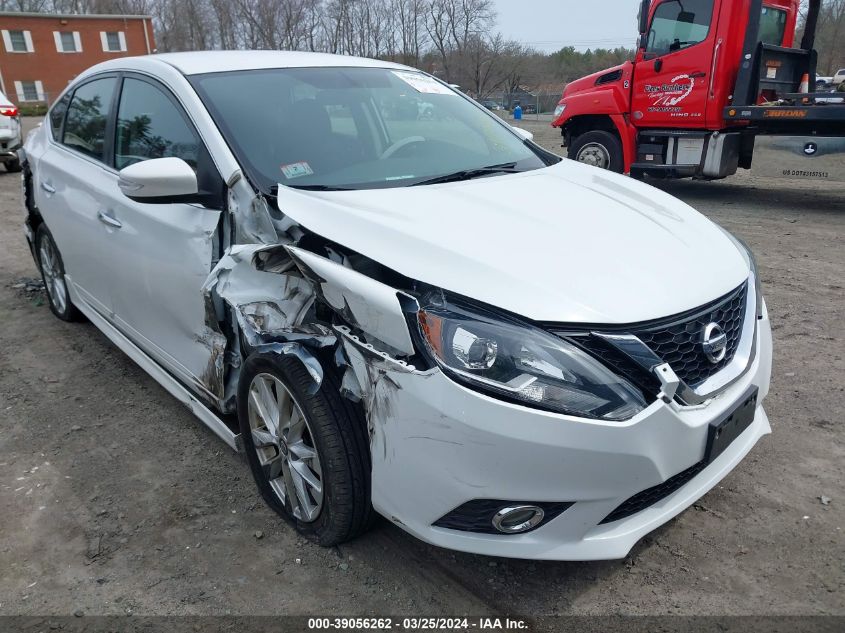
<point x="71" y="181"/>
<point x="160" y="254"/>
<point x="673" y="73"/>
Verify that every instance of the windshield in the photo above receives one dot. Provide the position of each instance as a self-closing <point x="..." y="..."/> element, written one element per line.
<point x="355" y="128"/>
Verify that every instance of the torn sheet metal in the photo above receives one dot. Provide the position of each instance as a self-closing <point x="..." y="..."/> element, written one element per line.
<point x="364" y="303"/>
<point x="254" y="221"/>
<point x="271" y="303"/>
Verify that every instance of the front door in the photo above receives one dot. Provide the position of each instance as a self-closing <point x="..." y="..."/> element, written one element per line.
<point x="161" y="254"/>
<point x="673" y="72"/>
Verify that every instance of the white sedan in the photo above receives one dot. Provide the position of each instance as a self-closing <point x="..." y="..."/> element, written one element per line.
<point x="429" y="318"/>
<point x="10" y="134"/>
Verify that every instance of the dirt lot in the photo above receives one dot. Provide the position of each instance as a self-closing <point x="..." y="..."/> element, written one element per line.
<point x="114" y="500"/>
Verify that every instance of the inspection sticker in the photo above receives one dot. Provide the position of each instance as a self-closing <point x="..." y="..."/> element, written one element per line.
<point x="423" y="83"/>
<point x="297" y="170"/>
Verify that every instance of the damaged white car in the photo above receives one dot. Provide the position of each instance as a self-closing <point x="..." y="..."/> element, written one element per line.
<point x="428" y="317"/>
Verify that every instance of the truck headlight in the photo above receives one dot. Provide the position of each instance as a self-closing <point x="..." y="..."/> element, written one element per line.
<point x="515" y="361"/>
<point x="561" y="107"/>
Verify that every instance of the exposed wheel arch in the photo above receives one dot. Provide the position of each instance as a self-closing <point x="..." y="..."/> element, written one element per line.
<point x="578" y="125"/>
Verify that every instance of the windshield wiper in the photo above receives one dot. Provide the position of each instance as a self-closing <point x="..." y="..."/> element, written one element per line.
<point x="469" y="174"/>
<point x="319" y="188"/>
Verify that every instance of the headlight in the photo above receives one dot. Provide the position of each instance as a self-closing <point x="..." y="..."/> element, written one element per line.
<point x="520" y="363"/>
<point x="561" y="107"/>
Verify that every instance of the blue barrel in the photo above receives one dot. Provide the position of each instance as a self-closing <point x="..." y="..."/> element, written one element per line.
<point x="517" y="113"/>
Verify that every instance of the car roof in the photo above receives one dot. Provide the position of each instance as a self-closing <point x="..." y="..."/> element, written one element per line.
<point x="195" y="63"/>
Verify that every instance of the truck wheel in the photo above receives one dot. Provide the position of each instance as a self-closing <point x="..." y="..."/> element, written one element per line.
<point x="598" y="149"/>
<point x="309" y="453"/>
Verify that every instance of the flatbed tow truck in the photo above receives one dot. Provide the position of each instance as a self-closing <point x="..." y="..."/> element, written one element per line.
<point x="716" y="85"/>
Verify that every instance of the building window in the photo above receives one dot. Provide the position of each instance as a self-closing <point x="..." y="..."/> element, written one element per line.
<point x="113" y="41"/>
<point x="18" y="41"/>
<point x="67" y="41"/>
<point x="29" y="90"/>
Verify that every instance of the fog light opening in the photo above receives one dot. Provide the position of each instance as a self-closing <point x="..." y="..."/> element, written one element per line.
<point x="516" y="519"/>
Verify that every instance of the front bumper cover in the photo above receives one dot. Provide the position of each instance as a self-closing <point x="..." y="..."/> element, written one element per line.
<point x="436" y="445"/>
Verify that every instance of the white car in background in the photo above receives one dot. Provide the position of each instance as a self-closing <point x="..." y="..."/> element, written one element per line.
<point x="10" y="134"/>
<point x="499" y="350"/>
<point x="838" y="78"/>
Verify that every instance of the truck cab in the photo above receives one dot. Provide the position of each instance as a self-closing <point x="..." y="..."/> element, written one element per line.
<point x="668" y="113"/>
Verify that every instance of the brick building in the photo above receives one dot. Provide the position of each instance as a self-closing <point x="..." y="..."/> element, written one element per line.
<point x="40" y="53"/>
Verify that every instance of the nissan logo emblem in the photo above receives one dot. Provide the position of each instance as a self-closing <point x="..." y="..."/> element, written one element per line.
<point x="714" y="343"/>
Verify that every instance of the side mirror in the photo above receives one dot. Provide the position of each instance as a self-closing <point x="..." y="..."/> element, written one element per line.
<point x="525" y="135"/>
<point x="159" y="180"/>
<point x="642" y="18"/>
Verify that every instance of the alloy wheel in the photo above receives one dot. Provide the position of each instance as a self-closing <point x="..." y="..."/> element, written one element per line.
<point x="594" y="154"/>
<point x="54" y="279"/>
<point x="285" y="447"/>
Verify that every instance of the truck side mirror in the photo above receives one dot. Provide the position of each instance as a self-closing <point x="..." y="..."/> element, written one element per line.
<point x="642" y="18"/>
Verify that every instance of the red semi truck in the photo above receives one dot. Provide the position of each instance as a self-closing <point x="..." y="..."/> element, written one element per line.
<point x="715" y="85"/>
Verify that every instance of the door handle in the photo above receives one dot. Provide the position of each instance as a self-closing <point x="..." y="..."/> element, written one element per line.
<point x="110" y="221"/>
<point x="658" y="65"/>
<point x="48" y="188"/>
<point x="698" y="75"/>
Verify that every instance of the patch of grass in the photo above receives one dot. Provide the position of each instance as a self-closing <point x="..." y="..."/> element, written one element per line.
<point x="33" y="109"/>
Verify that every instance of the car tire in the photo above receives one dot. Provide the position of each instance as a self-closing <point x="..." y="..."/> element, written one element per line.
<point x="600" y="149"/>
<point x="13" y="166"/>
<point x="53" y="275"/>
<point x="332" y="427"/>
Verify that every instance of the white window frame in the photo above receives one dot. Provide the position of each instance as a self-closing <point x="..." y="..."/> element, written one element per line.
<point x="104" y="40"/>
<point x="39" y="90"/>
<point x="77" y="42"/>
<point x="7" y="41"/>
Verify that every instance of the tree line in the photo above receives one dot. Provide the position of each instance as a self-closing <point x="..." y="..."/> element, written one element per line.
<point x="455" y="39"/>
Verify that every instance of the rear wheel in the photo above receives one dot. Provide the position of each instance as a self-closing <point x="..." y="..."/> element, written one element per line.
<point x="309" y="453"/>
<point x="53" y="275"/>
<point x="598" y="148"/>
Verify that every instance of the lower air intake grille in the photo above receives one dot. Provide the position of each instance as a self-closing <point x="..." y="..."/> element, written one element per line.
<point x="649" y="497"/>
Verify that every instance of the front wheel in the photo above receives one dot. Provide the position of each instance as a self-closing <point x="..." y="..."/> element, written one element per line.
<point x="309" y="453"/>
<point x="13" y="166"/>
<point x="599" y="149"/>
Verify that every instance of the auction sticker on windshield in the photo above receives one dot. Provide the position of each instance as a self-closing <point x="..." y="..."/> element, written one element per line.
<point x="297" y="170"/>
<point x="423" y="83"/>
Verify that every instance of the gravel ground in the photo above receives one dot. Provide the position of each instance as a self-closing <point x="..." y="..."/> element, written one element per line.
<point x="115" y="500"/>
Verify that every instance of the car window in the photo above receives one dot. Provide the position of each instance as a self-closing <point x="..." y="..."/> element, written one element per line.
<point x="678" y="24"/>
<point x="355" y="128"/>
<point x="87" y="115"/>
<point x="150" y="125"/>
<point x="57" y="116"/>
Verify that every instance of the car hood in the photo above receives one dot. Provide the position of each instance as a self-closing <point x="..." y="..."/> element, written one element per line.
<point x="567" y="243"/>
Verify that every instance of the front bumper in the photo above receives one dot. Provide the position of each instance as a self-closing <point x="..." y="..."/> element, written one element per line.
<point x="436" y="445"/>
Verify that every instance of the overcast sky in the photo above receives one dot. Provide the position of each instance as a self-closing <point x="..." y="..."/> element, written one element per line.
<point x="549" y="25"/>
